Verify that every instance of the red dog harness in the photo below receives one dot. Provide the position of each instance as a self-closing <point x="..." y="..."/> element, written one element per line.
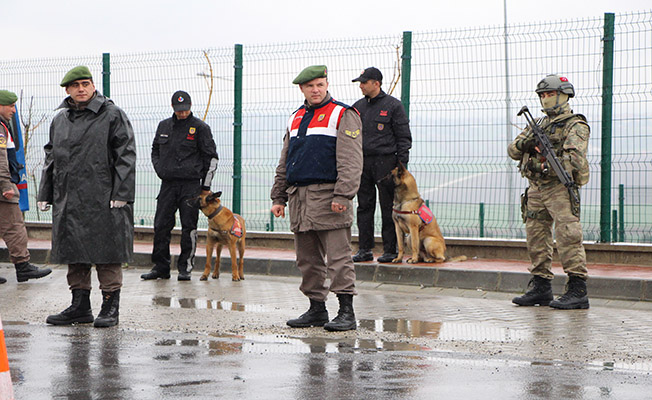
<point x="423" y="212"/>
<point x="236" y="228"/>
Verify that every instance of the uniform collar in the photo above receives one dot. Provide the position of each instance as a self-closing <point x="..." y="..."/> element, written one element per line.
<point x="327" y="100"/>
<point x="379" y="96"/>
<point x="94" y="104"/>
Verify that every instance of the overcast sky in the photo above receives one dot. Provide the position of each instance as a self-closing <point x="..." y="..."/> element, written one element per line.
<point x="49" y="28"/>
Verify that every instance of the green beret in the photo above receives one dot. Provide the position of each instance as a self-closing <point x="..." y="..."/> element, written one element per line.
<point x="79" y="72"/>
<point x="7" y="98"/>
<point x="310" y="73"/>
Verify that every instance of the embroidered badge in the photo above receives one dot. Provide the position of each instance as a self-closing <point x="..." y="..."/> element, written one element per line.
<point x="192" y="131"/>
<point x="354" y="134"/>
<point x="321" y="117"/>
<point x="381" y="127"/>
<point x="3" y="142"/>
<point x="383" y="113"/>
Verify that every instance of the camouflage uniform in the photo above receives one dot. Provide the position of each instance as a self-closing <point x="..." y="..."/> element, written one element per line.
<point x="548" y="200"/>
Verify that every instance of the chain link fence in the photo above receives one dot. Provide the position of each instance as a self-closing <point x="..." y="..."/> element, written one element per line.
<point x="466" y="86"/>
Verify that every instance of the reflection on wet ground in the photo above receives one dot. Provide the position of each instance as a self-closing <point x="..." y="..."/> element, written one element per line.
<point x="202" y="304"/>
<point x="406" y="327"/>
<point x="269" y="344"/>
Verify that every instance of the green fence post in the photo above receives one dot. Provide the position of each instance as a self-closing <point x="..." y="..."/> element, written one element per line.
<point x="481" y="220"/>
<point x="407" y="71"/>
<point x="237" y="131"/>
<point x="106" y="74"/>
<point x="607" y="99"/>
<point x="614" y="225"/>
<point x="621" y="212"/>
<point x="270" y="226"/>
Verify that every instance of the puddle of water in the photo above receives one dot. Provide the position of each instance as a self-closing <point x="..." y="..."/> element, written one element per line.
<point x="409" y="328"/>
<point x="445" y="330"/>
<point x="289" y="345"/>
<point x="174" y="302"/>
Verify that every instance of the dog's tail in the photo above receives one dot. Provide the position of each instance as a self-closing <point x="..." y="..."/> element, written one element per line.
<point x="456" y="259"/>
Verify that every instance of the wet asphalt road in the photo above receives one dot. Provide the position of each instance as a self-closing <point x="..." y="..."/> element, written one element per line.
<point x="223" y="339"/>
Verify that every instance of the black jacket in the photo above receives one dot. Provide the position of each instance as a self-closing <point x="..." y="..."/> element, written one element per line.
<point x="385" y="128"/>
<point x="183" y="149"/>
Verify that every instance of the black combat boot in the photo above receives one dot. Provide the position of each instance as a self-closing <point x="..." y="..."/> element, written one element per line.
<point x="25" y="271"/>
<point x="79" y="311"/>
<point x="576" y="296"/>
<point x="363" y="255"/>
<point x="109" y="314"/>
<point x="184" y="274"/>
<point x="155" y="274"/>
<point x="345" y="320"/>
<point x="315" y="316"/>
<point x="539" y="294"/>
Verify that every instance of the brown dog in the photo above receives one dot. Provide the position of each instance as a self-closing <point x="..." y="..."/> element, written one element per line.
<point x="411" y="216"/>
<point x="224" y="228"/>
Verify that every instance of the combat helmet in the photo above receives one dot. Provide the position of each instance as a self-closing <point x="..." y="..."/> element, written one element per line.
<point x="555" y="105"/>
<point x="556" y="82"/>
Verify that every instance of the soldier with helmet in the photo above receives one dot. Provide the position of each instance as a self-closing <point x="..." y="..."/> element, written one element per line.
<point x="548" y="202"/>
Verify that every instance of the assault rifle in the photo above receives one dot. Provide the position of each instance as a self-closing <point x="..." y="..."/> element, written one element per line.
<point x="546" y="149"/>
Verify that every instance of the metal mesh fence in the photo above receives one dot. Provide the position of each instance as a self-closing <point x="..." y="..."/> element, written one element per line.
<point x="466" y="87"/>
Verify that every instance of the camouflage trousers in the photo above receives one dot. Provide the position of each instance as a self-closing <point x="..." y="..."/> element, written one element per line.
<point x="545" y="207"/>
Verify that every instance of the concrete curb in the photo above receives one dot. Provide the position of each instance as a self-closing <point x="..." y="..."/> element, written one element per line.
<point x="635" y="289"/>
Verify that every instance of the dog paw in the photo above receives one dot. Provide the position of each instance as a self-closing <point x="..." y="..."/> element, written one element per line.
<point x="412" y="260"/>
<point x="215" y="276"/>
<point x="397" y="260"/>
<point x="235" y="279"/>
<point x="203" y="278"/>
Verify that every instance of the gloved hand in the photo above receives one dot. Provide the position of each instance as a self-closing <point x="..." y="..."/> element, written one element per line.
<point x="43" y="205"/>
<point x="526" y="144"/>
<point x="537" y="166"/>
<point x="118" y="203"/>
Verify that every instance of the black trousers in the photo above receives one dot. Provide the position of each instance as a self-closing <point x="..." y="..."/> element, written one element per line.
<point x="173" y="196"/>
<point x="374" y="169"/>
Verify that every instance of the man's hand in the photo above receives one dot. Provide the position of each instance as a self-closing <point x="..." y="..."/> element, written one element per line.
<point x="527" y="144"/>
<point x="43" y="205"/>
<point x="118" y="203"/>
<point x="537" y="166"/>
<point x="337" y="207"/>
<point x="278" y="210"/>
<point x="9" y="194"/>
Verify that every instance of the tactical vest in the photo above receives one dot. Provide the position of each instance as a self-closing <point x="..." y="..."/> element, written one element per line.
<point x="557" y="131"/>
<point x="313" y="138"/>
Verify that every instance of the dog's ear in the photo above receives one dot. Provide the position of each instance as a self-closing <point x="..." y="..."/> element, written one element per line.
<point x="217" y="194"/>
<point x="401" y="169"/>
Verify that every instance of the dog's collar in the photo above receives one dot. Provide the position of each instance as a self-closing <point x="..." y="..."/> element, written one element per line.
<point x="214" y="213"/>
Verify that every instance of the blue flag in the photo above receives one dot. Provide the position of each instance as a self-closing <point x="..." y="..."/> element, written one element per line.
<point x="20" y="157"/>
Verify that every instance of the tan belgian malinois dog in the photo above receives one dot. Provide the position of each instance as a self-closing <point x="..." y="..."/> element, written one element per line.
<point x="411" y="216"/>
<point x="224" y="228"/>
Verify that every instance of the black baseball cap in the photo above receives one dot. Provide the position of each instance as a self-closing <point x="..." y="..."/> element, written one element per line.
<point x="369" y="73"/>
<point x="181" y="101"/>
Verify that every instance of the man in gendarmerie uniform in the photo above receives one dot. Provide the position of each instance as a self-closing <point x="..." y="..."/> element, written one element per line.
<point x="319" y="174"/>
<point x="387" y="141"/>
<point x="12" y="225"/>
<point x="184" y="157"/>
<point x="89" y="178"/>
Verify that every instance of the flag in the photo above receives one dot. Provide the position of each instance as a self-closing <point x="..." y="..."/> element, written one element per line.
<point x="20" y="157"/>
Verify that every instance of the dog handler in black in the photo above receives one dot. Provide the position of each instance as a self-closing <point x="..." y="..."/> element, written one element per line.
<point x="386" y="140"/>
<point x="185" y="158"/>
